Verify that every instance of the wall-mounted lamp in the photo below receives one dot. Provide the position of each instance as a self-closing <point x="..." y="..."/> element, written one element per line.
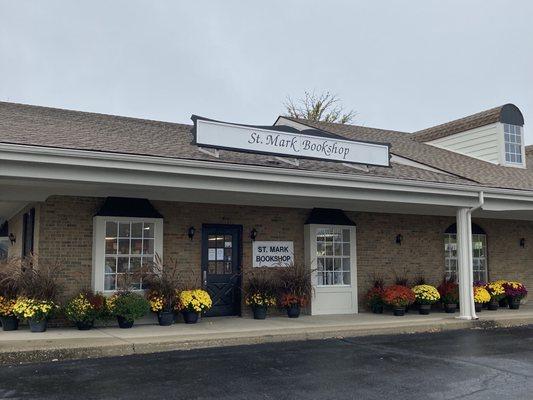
<point x="12" y="238"/>
<point x="191" y="231"/>
<point x="253" y="234"/>
<point x="399" y="239"/>
<point x="522" y="242"/>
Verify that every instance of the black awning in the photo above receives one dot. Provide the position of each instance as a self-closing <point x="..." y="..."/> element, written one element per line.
<point x="128" y="207"/>
<point x="328" y="216"/>
<point x="476" y="229"/>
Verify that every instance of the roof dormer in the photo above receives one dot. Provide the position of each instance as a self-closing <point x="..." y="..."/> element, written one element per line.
<point x="495" y="135"/>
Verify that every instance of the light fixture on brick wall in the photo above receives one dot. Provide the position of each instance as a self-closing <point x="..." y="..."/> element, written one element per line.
<point x="399" y="239"/>
<point x="191" y="231"/>
<point x="12" y="238"/>
<point x="253" y="234"/>
<point x="522" y="242"/>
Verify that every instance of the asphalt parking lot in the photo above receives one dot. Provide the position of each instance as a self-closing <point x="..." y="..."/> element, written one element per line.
<point x="462" y="364"/>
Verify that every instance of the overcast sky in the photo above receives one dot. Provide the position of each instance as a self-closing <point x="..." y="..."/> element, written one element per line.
<point x="402" y="65"/>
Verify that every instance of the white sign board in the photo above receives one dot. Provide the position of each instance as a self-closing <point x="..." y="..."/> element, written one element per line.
<point x="273" y="254"/>
<point x="258" y="140"/>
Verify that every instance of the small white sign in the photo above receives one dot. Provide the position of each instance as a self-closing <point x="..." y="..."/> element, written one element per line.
<point x="258" y="140"/>
<point x="273" y="254"/>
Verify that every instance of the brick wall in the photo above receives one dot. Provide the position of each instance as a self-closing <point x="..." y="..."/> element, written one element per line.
<point x="66" y="235"/>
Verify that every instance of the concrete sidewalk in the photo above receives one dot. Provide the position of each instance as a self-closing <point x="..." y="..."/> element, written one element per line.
<point x="69" y="343"/>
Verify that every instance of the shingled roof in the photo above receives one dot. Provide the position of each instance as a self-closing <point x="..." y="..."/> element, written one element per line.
<point x="50" y="127"/>
<point x="508" y="113"/>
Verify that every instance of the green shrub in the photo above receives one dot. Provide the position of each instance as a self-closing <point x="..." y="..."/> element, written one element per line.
<point x="128" y="305"/>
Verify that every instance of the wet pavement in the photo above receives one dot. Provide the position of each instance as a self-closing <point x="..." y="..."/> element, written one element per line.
<point x="459" y="364"/>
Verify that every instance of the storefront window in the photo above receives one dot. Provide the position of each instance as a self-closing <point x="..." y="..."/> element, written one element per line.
<point x="333" y="256"/>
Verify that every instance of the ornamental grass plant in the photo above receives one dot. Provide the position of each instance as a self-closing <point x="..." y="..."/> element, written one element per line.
<point x="261" y="288"/>
<point x="294" y="285"/>
<point x="163" y="282"/>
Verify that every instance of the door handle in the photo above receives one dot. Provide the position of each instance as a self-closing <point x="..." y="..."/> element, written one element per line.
<point x="205" y="277"/>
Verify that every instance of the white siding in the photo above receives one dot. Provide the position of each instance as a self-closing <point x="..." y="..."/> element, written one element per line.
<point x="483" y="143"/>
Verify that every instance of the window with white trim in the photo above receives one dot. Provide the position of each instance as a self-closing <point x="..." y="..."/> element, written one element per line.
<point x="479" y="254"/>
<point x="333" y="256"/>
<point x="513" y="143"/>
<point x="124" y="245"/>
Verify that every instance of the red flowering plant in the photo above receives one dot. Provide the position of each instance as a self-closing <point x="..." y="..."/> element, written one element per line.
<point x="289" y="300"/>
<point x="398" y="296"/>
<point x="449" y="291"/>
<point x="515" y="290"/>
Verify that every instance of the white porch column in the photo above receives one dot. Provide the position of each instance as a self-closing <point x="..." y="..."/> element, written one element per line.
<point x="464" y="267"/>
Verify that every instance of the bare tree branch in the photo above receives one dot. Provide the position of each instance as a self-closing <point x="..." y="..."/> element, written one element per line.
<point x="323" y="107"/>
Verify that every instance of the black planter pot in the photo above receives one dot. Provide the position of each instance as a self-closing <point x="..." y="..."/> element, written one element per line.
<point x="293" y="311"/>
<point x="503" y="302"/>
<point x="84" y="325"/>
<point x="493" y="305"/>
<point x="190" y="317"/>
<point x="165" y="318"/>
<point x="478" y="307"/>
<point x="399" y="311"/>
<point x="259" y="312"/>
<point x="424" y="309"/>
<point x="377" y="308"/>
<point x="450" y="308"/>
<point x="514" y="304"/>
<point x="37" y="326"/>
<point x="9" y="323"/>
<point x="124" y="323"/>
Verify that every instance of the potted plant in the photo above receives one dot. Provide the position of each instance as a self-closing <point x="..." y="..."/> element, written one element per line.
<point x="84" y="309"/>
<point x="515" y="292"/>
<point x="449" y="294"/>
<point x="36" y="312"/>
<point x="8" y="318"/>
<point x="295" y="288"/>
<point x="192" y="303"/>
<point x="481" y="296"/>
<point x="374" y="298"/>
<point x="425" y="296"/>
<point x="163" y="288"/>
<point x="127" y="306"/>
<point x="260" y="292"/>
<point x="398" y="297"/>
<point x="497" y="292"/>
